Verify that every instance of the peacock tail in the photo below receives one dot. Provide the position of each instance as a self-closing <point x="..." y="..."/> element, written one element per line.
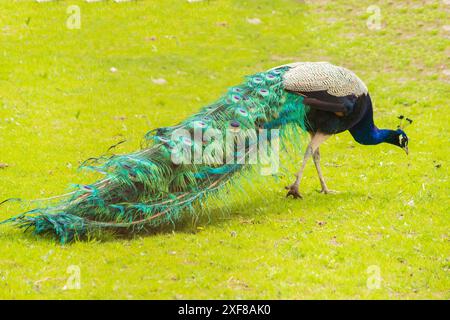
<point x="178" y="167"/>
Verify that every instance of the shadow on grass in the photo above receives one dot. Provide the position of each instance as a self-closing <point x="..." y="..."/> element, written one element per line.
<point x="230" y="207"/>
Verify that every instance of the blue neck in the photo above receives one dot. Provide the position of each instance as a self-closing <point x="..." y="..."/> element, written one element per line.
<point x="365" y="131"/>
<point x="372" y="136"/>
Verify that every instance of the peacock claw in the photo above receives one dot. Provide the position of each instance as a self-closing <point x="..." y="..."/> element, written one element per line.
<point x="327" y="191"/>
<point x="293" y="191"/>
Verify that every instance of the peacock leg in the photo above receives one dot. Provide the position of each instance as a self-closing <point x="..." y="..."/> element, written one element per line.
<point x="316" y="158"/>
<point x="293" y="188"/>
<point x="316" y="140"/>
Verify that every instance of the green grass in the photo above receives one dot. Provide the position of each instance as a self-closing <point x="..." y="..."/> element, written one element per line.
<point x="60" y="104"/>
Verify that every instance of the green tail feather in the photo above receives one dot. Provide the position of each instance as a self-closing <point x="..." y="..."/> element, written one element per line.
<point x="156" y="184"/>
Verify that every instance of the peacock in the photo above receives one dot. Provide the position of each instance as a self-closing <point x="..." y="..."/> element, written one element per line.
<point x="180" y="166"/>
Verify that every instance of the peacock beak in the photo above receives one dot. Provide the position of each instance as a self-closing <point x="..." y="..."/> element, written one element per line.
<point x="406" y="149"/>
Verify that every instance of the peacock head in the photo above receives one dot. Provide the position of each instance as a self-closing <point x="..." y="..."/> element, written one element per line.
<point x="396" y="137"/>
<point x="400" y="139"/>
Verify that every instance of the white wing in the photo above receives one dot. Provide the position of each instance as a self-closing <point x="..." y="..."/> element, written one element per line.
<point x="323" y="76"/>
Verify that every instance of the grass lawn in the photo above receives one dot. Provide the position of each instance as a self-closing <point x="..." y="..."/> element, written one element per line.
<point x="68" y="94"/>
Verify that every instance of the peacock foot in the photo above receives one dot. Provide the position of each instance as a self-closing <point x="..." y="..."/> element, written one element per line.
<point x="328" y="191"/>
<point x="293" y="191"/>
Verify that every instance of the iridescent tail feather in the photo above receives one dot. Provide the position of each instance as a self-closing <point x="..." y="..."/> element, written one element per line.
<point x="157" y="184"/>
